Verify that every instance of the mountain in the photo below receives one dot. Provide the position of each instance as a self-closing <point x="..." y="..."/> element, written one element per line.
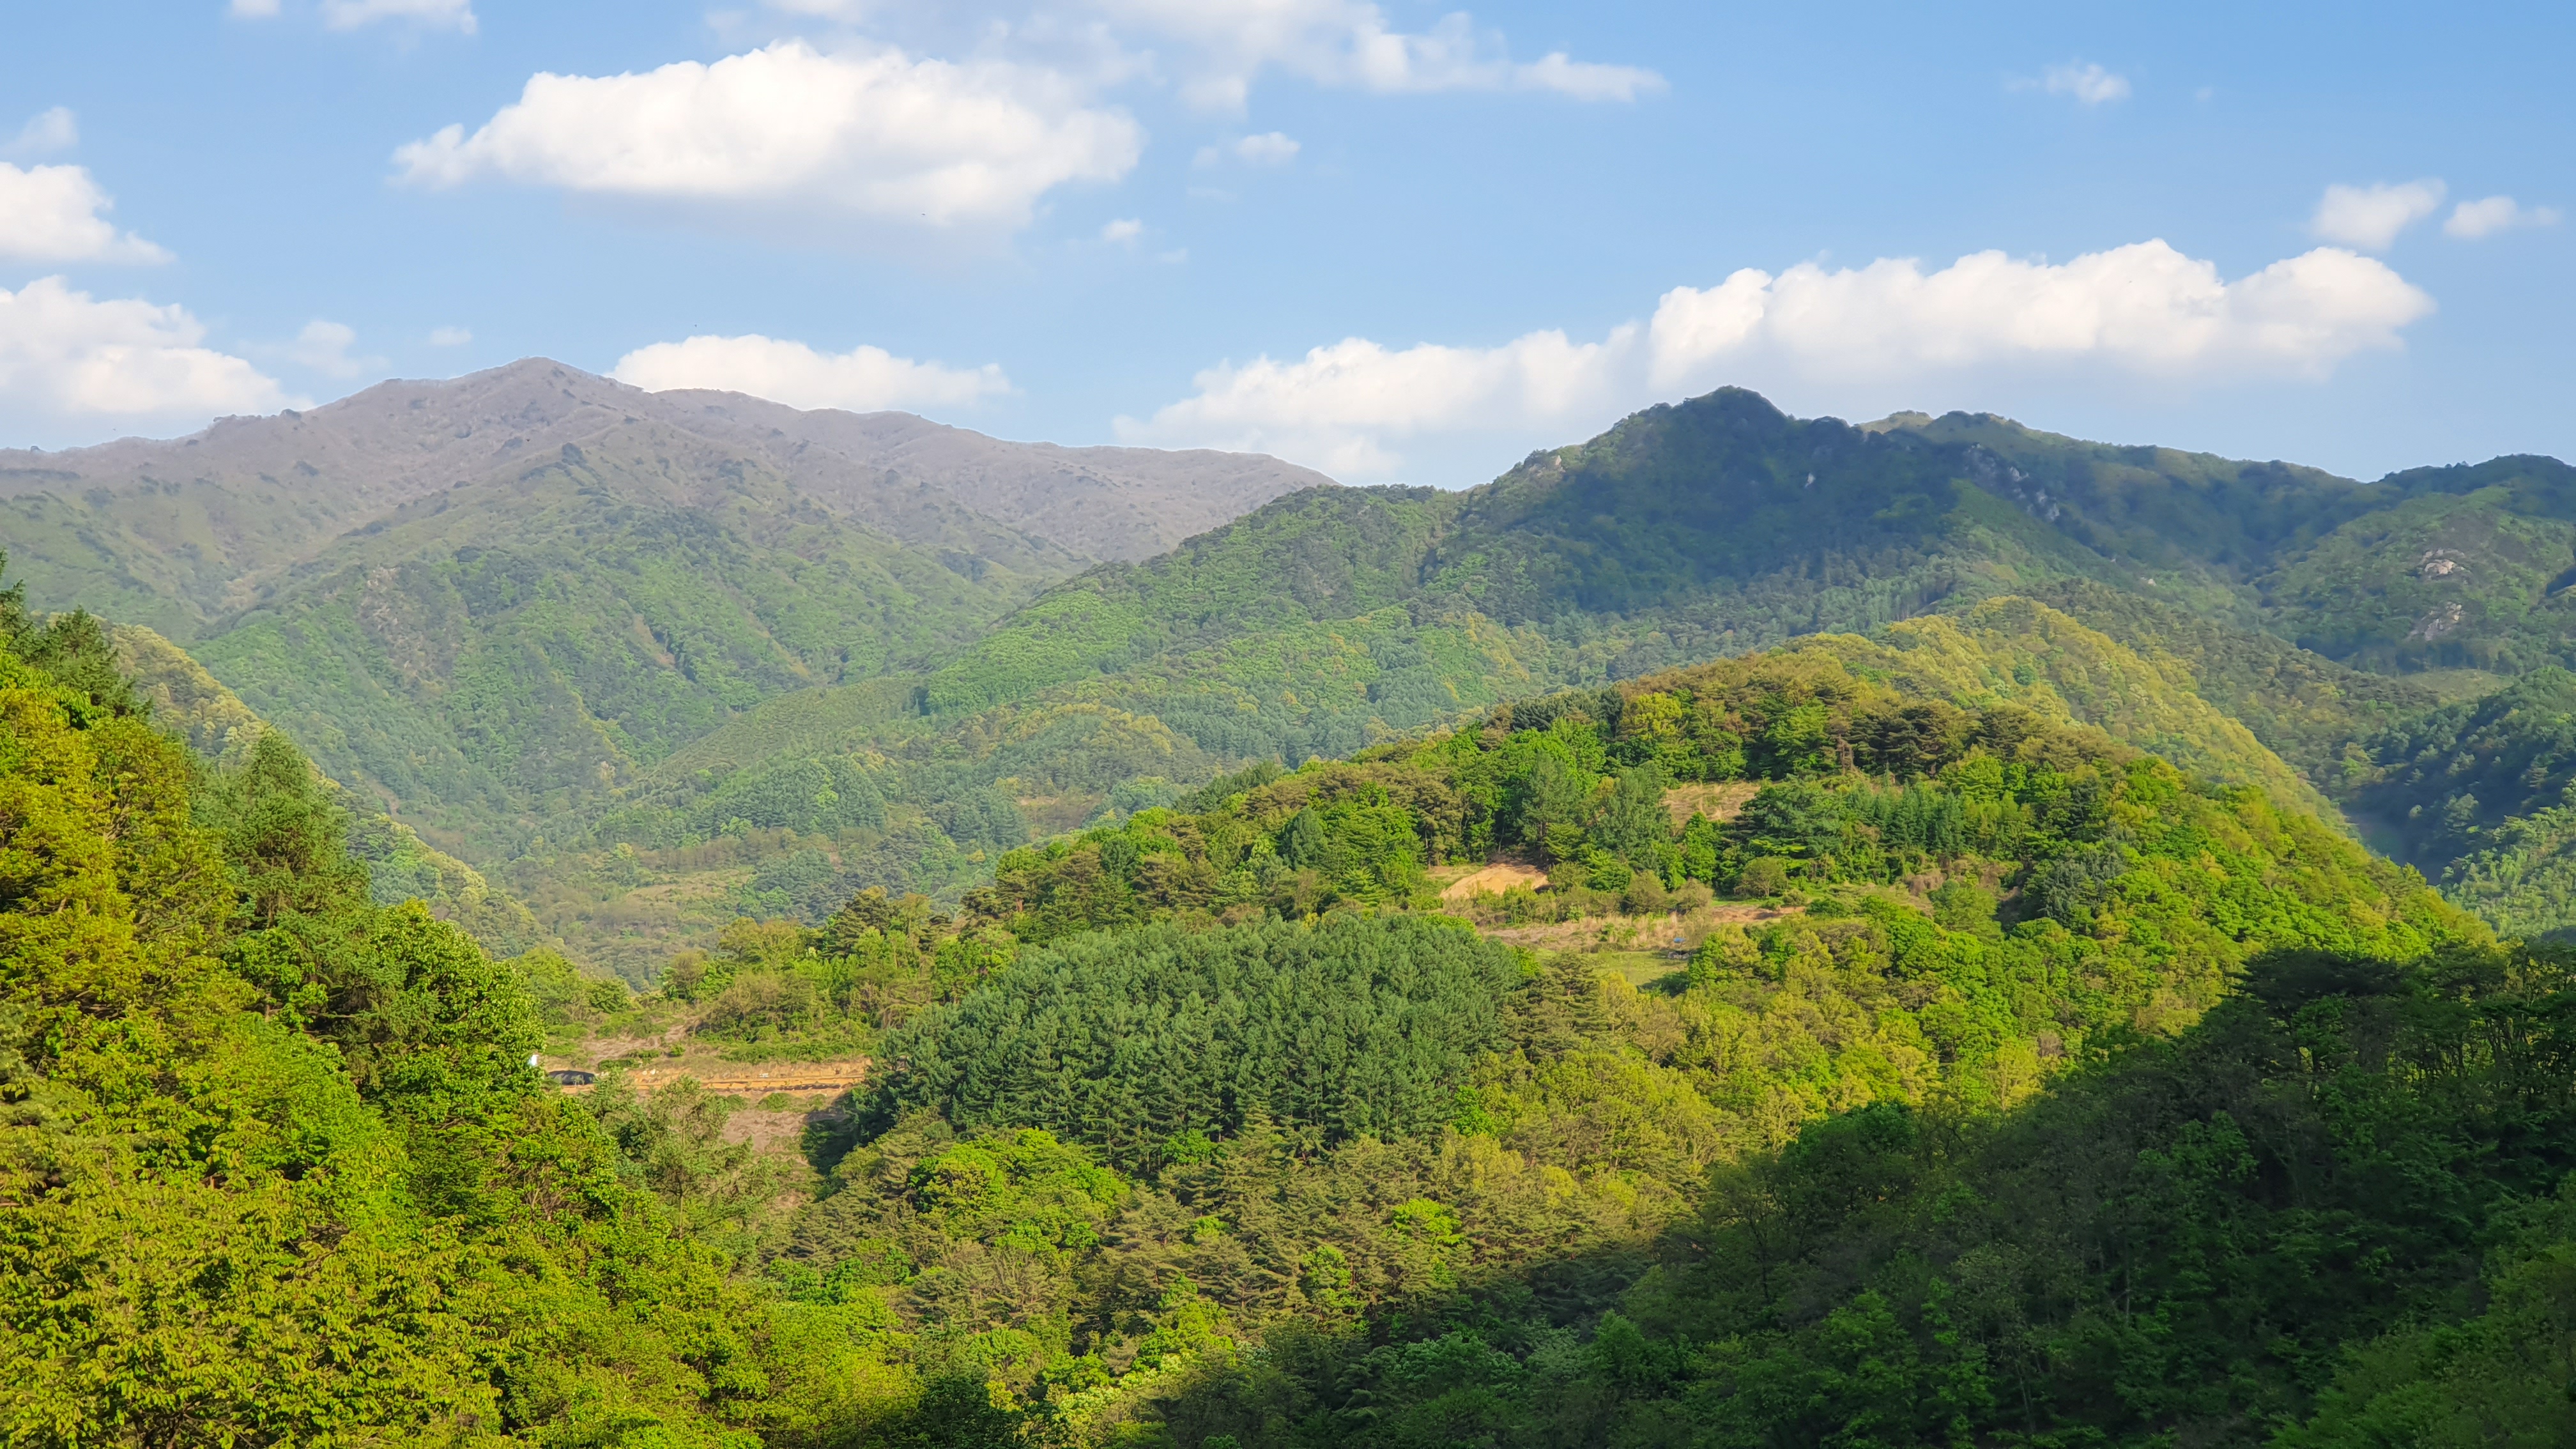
<point x="2161" y="607"/>
<point x="2461" y="567"/>
<point x="180" y="534"/>
<point x="479" y="600"/>
<point x="2025" y="1088"/>
<point x="773" y="653"/>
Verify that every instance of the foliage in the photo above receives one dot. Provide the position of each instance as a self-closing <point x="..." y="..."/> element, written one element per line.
<point x="1138" y="1042"/>
<point x="272" y="1168"/>
<point x="2304" y="707"/>
<point x="2438" y="785"/>
<point x="533" y="645"/>
<point x="1976" y="1144"/>
<point x="1864" y="784"/>
<point x="2201" y="1238"/>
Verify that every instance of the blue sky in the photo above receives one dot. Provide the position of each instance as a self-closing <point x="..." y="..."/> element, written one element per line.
<point x="1391" y="240"/>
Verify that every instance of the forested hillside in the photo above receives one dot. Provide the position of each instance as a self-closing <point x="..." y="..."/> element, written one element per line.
<point x="1335" y="619"/>
<point x="810" y="798"/>
<point x="483" y="666"/>
<point x="2031" y="1089"/>
<point x="784" y="655"/>
<point x="484" y="600"/>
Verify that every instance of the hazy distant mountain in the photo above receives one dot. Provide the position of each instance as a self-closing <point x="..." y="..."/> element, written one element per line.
<point x="181" y="533"/>
<point x="1108" y="503"/>
<point x="477" y="600"/>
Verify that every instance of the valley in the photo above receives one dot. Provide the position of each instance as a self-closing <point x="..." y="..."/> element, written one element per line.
<point x="1746" y="930"/>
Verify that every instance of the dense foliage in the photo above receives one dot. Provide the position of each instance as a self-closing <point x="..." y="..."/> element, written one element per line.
<point x="1150" y="1045"/>
<point x="1106" y="1170"/>
<point x="272" y="1166"/>
<point x="1841" y="781"/>
<point x="534" y="644"/>
<point x="2062" y="1076"/>
<point x="2196" y="1241"/>
<point x="1976" y="1145"/>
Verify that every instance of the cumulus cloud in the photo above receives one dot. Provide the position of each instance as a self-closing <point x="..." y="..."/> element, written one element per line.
<point x="1341" y="407"/>
<point x="864" y="379"/>
<point x="1270" y="148"/>
<point x="54" y="214"/>
<point x="1350" y="43"/>
<point x="2471" y="220"/>
<point x="2087" y="83"/>
<point x="45" y="133"/>
<point x="457" y="15"/>
<point x="253" y="9"/>
<point x="1124" y="229"/>
<point x="2142" y="308"/>
<point x="2370" y="217"/>
<point x="449" y="336"/>
<point x="324" y="347"/>
<point x="875" y="133"/>
<point x="65" y="354"/>
<point x="2139" y="311"/>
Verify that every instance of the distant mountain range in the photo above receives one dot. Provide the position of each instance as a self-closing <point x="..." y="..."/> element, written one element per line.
<point x="473" y="599"/>
<point x="656" y="658"/>
<point x="181" y="534"/>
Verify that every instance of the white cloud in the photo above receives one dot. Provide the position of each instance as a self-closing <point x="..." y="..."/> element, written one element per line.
<point x="449" y="336"/>
<point x="2370" y="217"/>
<point x="2471" y="220"/>
<point x="1124" y="229"/>
<point x="1349" y="43"/>
<point x="2139" y="311"/>
<point x="65" y="354"/>
<point x="864" y="379"/>
<point x="457" y="15"/>
<point x="2088" y="83"/>
<point x="324" y="347"/>
<point x="2144" y="308"/>
<point x="45" y="133"/>
<point x="52" y="214"/>
<point x="875" y="133"/>
<point x="1270" y="148"/>
<point x="1341" y="407"/>
<point x="253" y="9"/>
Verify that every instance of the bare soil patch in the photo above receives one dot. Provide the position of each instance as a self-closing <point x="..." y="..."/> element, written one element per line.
<point x="1493" y="880"/>
<point x="1719" y="801"/>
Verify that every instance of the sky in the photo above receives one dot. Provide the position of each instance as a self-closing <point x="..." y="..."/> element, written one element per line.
<point x="1397" y="242"/>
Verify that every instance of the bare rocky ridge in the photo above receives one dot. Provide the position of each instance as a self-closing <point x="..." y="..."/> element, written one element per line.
<point x="200" y="526"/>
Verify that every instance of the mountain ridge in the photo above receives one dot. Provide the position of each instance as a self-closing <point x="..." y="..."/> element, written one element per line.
<point x="202" y="515"/>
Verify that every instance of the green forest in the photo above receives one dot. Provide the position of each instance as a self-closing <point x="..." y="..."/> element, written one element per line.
<point x="2009" y="1085"/>
<point x="1745" y="931"/>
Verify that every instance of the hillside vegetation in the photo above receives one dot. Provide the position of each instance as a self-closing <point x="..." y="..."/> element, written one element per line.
<point x="809" y="799"/>
<point x="1333" y="620"/>
<point x="483" y="667"/>
<point x="482" y="601"/>
<point x="781" y="656"/>
<point x="2046" y="1086"/>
